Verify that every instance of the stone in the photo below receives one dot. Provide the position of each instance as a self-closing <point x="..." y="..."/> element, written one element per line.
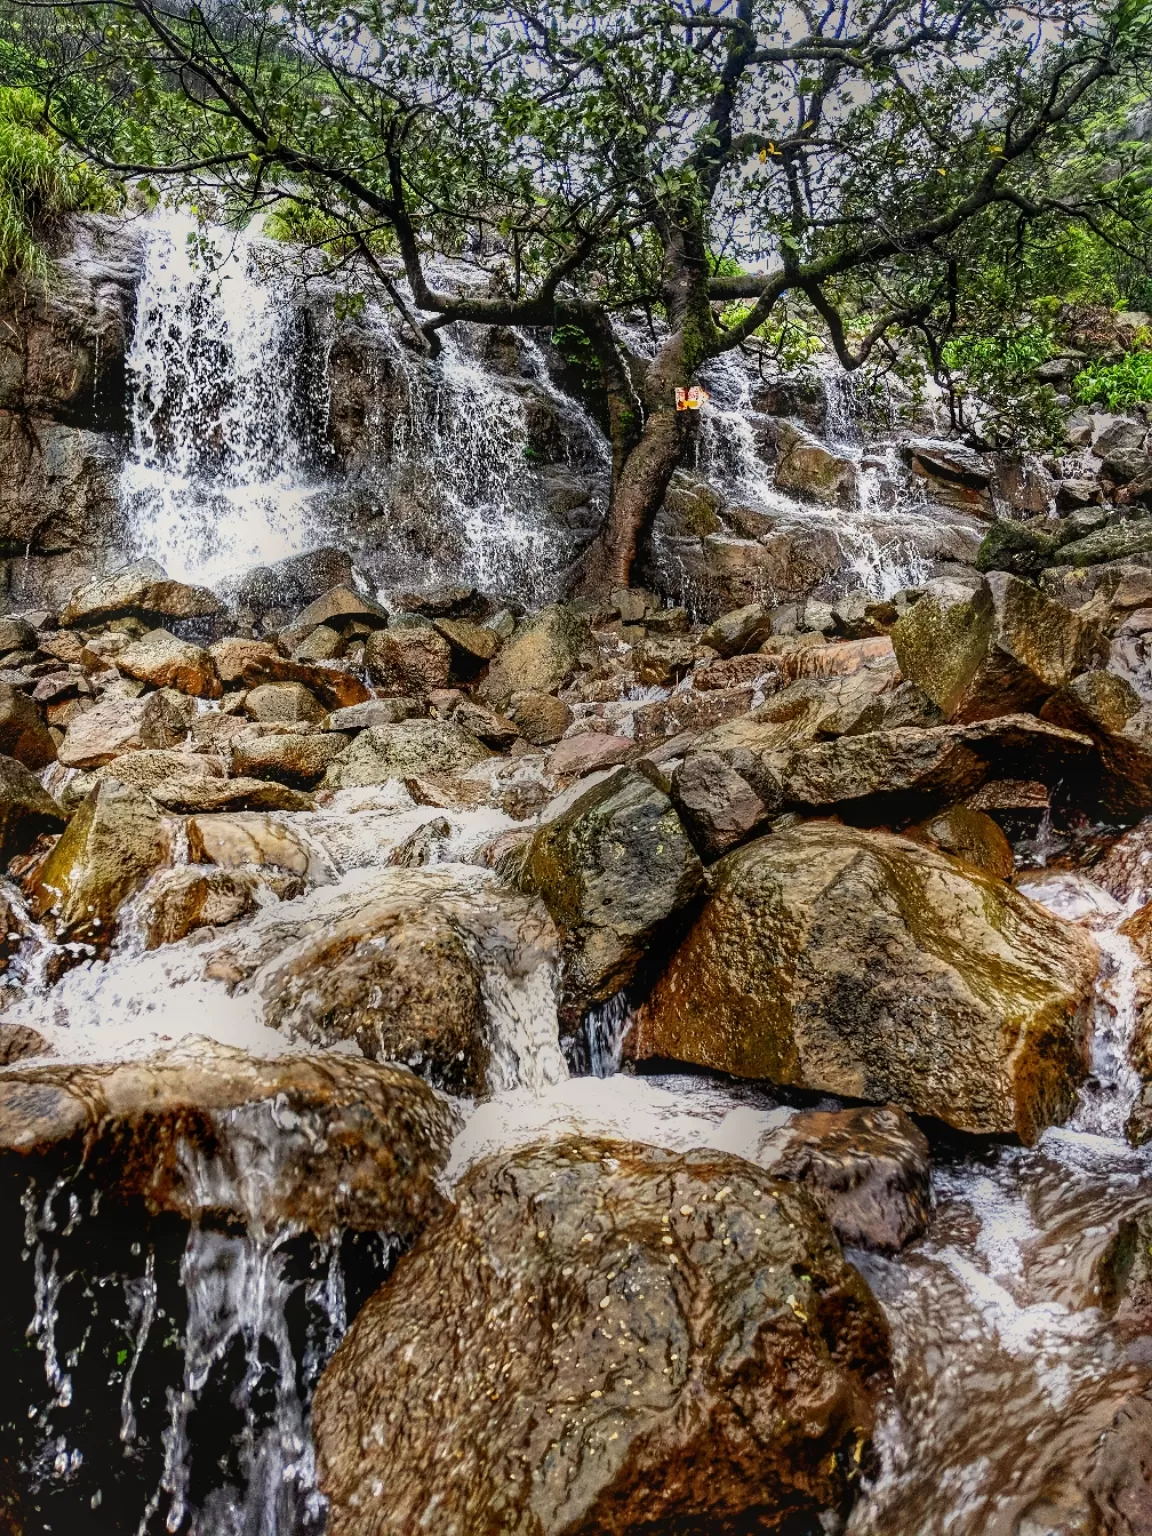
<point x="26" y="809"/>
<point x="414" y="747"/>
<point x="320" y="644"/>
<point x="143" y="590"/>
<point x="358" y="717"/>
<point x="438" y="602"/>
<point x="408" y="661"/>
<point x="247" y="838"/>
<point x="23" y="732"/>
<point x="863" y="964"/>
<point x="869" y="1171"/>
<point x="689" y="711"/>
<point x="542" y="1343"/>
<point x="493" y="729"/>
<point x="340" y="603"/>
<point x="301" y="761"/>
<point x="1077" y="492"/>
<point x="232" y="655"/>
<point x="156" y="769"/>
<point x="1116" y="543"/>
<point x="744" y="629"/>
<point x="108" y="850"/>
<point x="1017" y="547"/>
<point x="972" y="836"/>
<point x="1108" y="709"/>
<point x="472" y="644"/>
<point x="539" y="717"/>
<point x="616" y="870"/>
<point x="16" y="634"/>
<point x="995" y="651"/>
<point x="662" y="660"/>
<point x="296" y="580"/>
<point x="164" y="661"/>
<point x="335" y="687"/>
<point x="718" y="806"/>
<point x="176" y="901"/>
<point x="957" y="476"/>
<point x="284" y="702"/>
<point x="587" y="753"/>
<point x="808" y="469"/>
<point x="114" y="726"/>
<point x="540" y="658"/>
<point x="19" y="1041"/>
<point x="359" y="1144"/>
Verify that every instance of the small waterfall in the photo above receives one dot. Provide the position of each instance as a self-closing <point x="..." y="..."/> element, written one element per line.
<point x="215" y="478"/>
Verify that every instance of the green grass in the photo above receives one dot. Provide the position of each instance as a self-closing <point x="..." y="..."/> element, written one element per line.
<point x="1116" y="385"/>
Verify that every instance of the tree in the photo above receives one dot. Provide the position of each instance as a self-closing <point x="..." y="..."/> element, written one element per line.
<point x="592" y="156"/>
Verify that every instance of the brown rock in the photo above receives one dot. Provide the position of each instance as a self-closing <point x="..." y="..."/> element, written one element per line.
<point x="164" y="661"/>
<point x="26" y="809"/>
<point x="113" y="726"/>
<point x="23" y="733"/>
<point x="287" y="702"/>
<point x="408" y="661"/>
<point x="141" y="589"/>
<point x="288" y="758"/>
<point x="249" y="838"/>
<point x="414" y="747"/>
<point x="542" y="1343"/>
<point x="359" y="717"/>
<point x="341" y="603"/>
<point x="1108" y="709"/>
<point x="540" y="657"/>
<point x="333" y="686"/>
<point x="539" y="717"/>
<point x="18" y="1042"/>
<point x="176" y="901"/>
<point x="689" y="711"/>
<point x="577" y="755"/>
<point x="493" y="729"/>
<point x="231" y="656"/>
<point x="972" y="836"/>
<point x="863" y="964"/>
<point x="321" y="644"/>
<point x="472" y="644"/>
<point x="716" y="803"/>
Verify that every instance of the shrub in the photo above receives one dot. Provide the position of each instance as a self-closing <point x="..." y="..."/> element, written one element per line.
<point x="1116" y="385"/>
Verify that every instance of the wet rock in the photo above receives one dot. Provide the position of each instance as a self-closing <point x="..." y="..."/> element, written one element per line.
<point x="957" y="476"/>
<point x="250" y="839"/>
<point x="1125" y="871"/>
<point x="26" y="809"/>
<point x="424" y="846"/>
<point x="164" y="661"/>
<point x="287" y="702"/>
<point x="472" y="645"/>
<point x="869" y="1171"/>
<point x="612" y="1338"/>
<point x="414" y="747"/>
<point x="323" y="1141"/>
<point x="23" y="733"/>
<point x="717" y="805"/>
<point x="494" y="730"/>
<point x="810" y="470"/>
<point x="540" y="657"/>
<point x="587" y="753"/>
<point x="339" y="604"/>
<point x="321" y="644"/>
<point x="234" y="794"/>
<point x="19" y="1041"/>
<point x="113" y="726"/>
<point x="408" y="661"/>
<point x="233" y="654"/>
<point x="440" y="602"/>
<point x="1108" y="709"/>
<point x="358" y="717"/>
<point x="288" y="758"/>
<point x="1117" y="543"/>
<point x="143" y="590"/>
<point x="539" y="717"/>
<point x="109" y="849"/>
<point x="1018" y="548"/>
<point x="1003" y="648"/>
<point x="862" y="964"/>
<point x="972" y="836"/>
<point x="333" y="686"/>
<point x="615" y="870"/>
<point x="689" y="711"/>
<point x="295" y="580"/>
<point x="176" y="901"/>
<point x="743" y="629"/>
<point x="662" y="660"/>
<point x="16" y="634"/>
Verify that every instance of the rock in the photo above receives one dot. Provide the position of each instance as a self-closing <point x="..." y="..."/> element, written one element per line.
<point x="153" y="769"/>
<point x="176" y="901"/>
<point x="540" y="657"/>
<point x="114" y="726"/>
<point x="1018" y="548"/>
<point x="1001" y="649"/>
<point x="863" y="964"/>
<point x="957" y="477"/>
<point x="284" y="702"/>
<point x="577" y="755"/>
<point x="232" y="655"/>
<point x="716" y="803"/>
<point x="439" y="602"/>
<point x="414" y="747"/>
<point x="295" y="580"/>
<point x="1078" y="492"/>
<point x="744" y="629"/>
<point x="485" y="724"/>
<point x="1116" y="543"/>
<point x="26" y="809"/>
<point x="16" y="634"/>
<point x="242" y="794"/>
<point x="109" y="849"/>
<point x="19" y="1041"/>
<point x="408" y="661"/>
<point x="333" y="686"/>
<point x="808" y="469"/>
<point x="358" y="717"/>
<point x="542" y="1342"/>
<point x="472" y="644"/>
<point x="1125" y="871"/>
<point x="1109" y="710"/>
<point x="972" y="836"/>
<point x="321" y="644"/>
<point x="241" y="839"/>
<point x="869" y="1171"/>
<point x="23" y="733"/>
<point x="662" y="660"/>
<point x="689" y="711"/>
<point x="164" y="661"/>
<point x="615" y="870"/>
<point x="539" y="717"/>
<point x="291" y="759"/>
<point x="142" y="589"/>
<point x="359" y="1145"/>
<point x="341" y="603"/>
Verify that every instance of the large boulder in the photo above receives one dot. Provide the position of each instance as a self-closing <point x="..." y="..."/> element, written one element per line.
<point x="109" y="849"/>
<point x="249" y="839"/>
<point x="413" y="747"/>
<point x="143" y="590"/>
<point x="26" y="809"/>
<point x="165" y="661"/>
<point x="539" y="658"/>
<point x="813" y="472"/>
<point x="357" y="1144"/>
<point x="607" y="1338"/>
<point x="995" y="650"/>
<point x="176" y="901"/>
<point x="113" y="726"/>
<point x="1107" y="708"/>
<point x="615" y="870"/>
<point x="863" y="964"/>
<point x="287" y="756"/>
<point x="23" y="733"/>
<point x="408" y="660"/>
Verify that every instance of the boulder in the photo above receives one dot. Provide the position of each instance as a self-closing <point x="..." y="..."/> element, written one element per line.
<point x="143" y="590"/>
<point x="612" y="1338"/>
<point x="114" y="726"/>
<point x="1116" y="543"/>
<point x="972" y="836"/>
<point x="1109" y="710"/>
<point x="26" y="809"/>
<point x="338" y="605"/>
<point x="863" y="964"/>
<point x="661" y="661"/>
<point x="994" y="651"/>
<point x="176" y="901"/>
<point x="589" y="752"/>
<point x="716" y="804"/>
<point x="232" y="655"/>
<point x="1018" y="548"/>
<point x="743" y="629"/>
<point x="16" y="634"/>
<point x="540" y="657"/>
<point x="472" y="644"/>
<point x="322" y="643"/>
<point x="408" y="661"/>
<point x="333" y="686"/>
<point x="286" y="702"/>
<point x="615" y="870"/>
<point x="358" y="717"/>
<point x="358" y="1145"/>
<point x="295" y="580"/>
<point x="414" y="747"/>
<point x="248" y="838"/>
<point x="808" y="469"/>
<point x="109" y="849"/>
<point x="493" y="729"/>
<point x="23" y="733"/>
<point x="540" y="718"/>
<point x="287" y="757"/>
<point x="164" y="661"/>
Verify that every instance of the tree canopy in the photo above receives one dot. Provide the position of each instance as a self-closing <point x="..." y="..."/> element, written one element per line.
<point x="886" y="163"/>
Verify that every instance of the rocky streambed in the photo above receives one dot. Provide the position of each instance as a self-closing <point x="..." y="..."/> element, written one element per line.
<point x="576" y="1070"/>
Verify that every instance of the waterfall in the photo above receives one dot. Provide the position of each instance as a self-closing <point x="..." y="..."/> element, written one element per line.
<point x="215" y="478"/>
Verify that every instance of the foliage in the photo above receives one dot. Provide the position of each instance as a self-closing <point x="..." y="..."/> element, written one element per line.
<point x="995" y="371"/>
<point x="39" y="180"/>
<point x="789" y="338"/>
<point x="1116" y="385"/>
